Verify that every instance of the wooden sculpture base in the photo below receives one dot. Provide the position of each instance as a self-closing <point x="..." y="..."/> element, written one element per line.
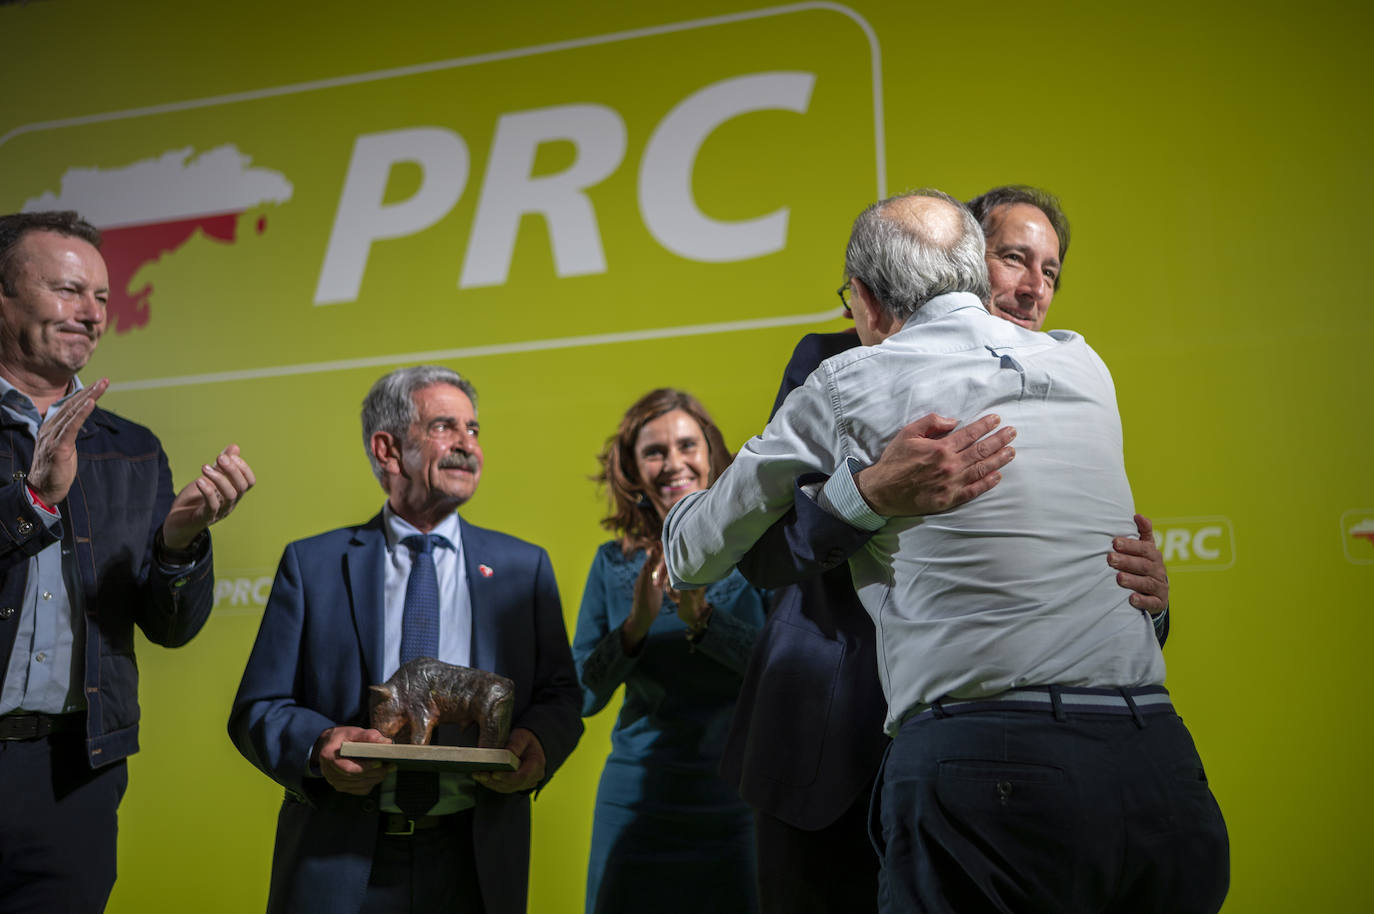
<point x="433" y="758"/>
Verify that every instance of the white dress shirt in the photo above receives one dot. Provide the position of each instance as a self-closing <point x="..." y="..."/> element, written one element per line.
<point x="1011" y="589"/>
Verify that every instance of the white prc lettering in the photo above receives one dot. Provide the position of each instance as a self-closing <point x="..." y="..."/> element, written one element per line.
<point x="363" y="217"/>
<point x="510" y="191"/>
<point x="1178" y="544"/>
<point x="243" y="591"/>
<point x="666" y="202"/>
<point x="1175" y="546"/>
<point x="1200" y="549"/>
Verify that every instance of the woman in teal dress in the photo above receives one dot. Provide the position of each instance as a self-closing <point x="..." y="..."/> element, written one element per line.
<point x="669" y="835"/>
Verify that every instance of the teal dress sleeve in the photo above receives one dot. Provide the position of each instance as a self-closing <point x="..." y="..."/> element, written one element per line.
<point x="602" y="664"/>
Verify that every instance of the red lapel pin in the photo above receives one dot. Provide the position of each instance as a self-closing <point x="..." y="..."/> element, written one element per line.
<point x="485" y="570"/>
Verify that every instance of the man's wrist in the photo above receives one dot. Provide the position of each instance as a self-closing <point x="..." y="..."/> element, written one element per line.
<point x="840" y="496"/>
<point x="39" y="502"/>
<point x="191" y="553"/>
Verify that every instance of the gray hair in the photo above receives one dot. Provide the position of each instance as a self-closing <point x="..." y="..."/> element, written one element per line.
<point x="390" y="405"/>
<point x="903" y="268"/>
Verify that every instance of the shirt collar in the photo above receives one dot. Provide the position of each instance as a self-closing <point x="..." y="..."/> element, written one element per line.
<point x="398" y="528"/>
<point x="941" y="305"/>
<point x="15" y="398"/>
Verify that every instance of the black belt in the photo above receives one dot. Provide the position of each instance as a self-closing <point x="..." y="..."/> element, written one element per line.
<point x="398" y="824"/>
<point x="1130" y="702"/>
<point x="23" y="725"/>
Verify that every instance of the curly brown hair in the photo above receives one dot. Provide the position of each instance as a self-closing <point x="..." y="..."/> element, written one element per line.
<point x="632" y="518"/>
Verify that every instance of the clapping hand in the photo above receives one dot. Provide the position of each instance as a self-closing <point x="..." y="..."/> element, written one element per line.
<point x="54" y="450"/>
<point x="208" y="498"/>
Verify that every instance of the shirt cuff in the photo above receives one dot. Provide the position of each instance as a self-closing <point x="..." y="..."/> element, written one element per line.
<point x="1160" y="619"/>
<point x="840" y="497"/>
<point x="50" y="515"/>
<point x="178" y="560"/>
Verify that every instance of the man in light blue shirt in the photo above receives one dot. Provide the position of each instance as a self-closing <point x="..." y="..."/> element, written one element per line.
<point x="991" y="611"/>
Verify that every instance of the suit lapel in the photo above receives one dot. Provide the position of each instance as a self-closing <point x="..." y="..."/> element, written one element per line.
<point x="364" y="558"/>
<point x="481" y="594"/>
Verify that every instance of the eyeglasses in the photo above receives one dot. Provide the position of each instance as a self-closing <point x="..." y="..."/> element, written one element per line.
<point x="845" y="295"/>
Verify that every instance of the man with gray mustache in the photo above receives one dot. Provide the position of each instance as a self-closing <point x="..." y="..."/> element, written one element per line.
<point x="350" y="606"/>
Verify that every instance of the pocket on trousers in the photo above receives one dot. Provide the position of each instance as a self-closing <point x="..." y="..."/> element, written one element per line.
<point x="997" y="785"/>
<point x="1025" y="802"/>
<point x="1022" y="831"/>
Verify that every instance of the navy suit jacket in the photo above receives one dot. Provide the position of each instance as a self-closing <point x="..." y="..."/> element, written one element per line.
<point x="318" y="650"/>
<point x="817" y="652"/>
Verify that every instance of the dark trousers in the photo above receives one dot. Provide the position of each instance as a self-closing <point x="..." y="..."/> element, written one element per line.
<point x="1019" y="812"/>
<point x="433" y="870"/>
<point x="832" y="870"/>
<point x="58" y="824"/>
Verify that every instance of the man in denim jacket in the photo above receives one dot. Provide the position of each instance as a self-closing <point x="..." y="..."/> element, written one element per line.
<point x="92" y="542"/>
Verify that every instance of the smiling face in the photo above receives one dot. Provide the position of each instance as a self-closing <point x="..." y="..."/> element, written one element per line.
<point x="671" y="459"/>
<point x="437" y="466"/>
<point x="53" y="312"/>
<point x="1023" y="263"/>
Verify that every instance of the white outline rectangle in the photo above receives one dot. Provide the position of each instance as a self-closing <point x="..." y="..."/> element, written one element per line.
<point x="880" y="165"/>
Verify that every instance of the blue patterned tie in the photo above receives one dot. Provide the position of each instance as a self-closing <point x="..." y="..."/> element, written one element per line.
<point x="420" y="614"/>
<point x="418" y="791"/>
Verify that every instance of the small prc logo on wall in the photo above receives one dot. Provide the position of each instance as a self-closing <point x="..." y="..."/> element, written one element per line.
<point x="1357" y="536"/>
<point x="242" y="591"/>
<point x="1196" y="543"/>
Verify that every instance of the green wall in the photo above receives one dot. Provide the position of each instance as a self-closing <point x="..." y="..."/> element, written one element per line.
<point x="1214" y="160"/>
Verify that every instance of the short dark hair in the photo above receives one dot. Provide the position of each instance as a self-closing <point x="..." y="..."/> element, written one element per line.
<point x="984" y="205"/>
<point x="15" y="226"/>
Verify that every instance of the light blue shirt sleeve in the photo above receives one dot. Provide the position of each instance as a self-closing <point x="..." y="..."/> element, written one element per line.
<point x="840" y="497"/>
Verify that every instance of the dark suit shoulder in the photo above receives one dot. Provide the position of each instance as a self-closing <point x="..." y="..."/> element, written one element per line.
<point x="811" y="350"/>
<point x="815" y="348"/>
<point x="484" y="538"/>
<point x="334" y="540"/>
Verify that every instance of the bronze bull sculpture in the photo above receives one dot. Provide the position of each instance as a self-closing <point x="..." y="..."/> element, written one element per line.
<point x="425" y="693"/>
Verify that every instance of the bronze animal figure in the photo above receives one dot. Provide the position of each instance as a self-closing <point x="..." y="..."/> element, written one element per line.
<point x="425" y="692"/>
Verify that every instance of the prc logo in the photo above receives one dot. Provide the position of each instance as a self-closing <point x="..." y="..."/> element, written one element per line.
<point x="1357" y="536"/>
<point x="1196" y="543"/>
<point x="242" y="592"/>
<point x="423" y="206"/>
